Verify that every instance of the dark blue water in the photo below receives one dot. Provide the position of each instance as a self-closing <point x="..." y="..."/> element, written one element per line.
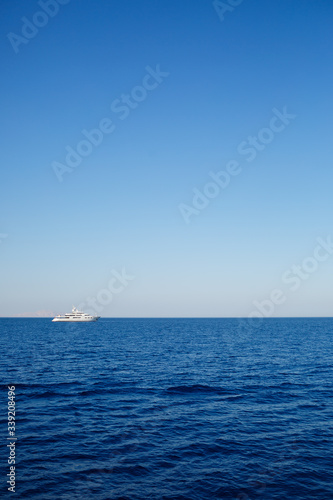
<point x="169" y="409"/>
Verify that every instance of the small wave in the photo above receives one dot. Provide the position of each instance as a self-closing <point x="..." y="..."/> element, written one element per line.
<point x="196" y="388"/>
<point x="40" y="386"/>
<point x="133" y="470"/>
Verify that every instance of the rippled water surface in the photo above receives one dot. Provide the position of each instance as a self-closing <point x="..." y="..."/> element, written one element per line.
<point x="169" y="409"/>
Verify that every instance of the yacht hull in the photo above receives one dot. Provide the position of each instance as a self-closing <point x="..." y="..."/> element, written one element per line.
<point x="76" y="320"/>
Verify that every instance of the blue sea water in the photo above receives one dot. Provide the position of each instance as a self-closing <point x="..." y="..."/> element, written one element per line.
<point x="169" y="409"/>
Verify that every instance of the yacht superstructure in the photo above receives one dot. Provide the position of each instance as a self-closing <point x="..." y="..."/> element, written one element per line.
<point x="76" y="315"/>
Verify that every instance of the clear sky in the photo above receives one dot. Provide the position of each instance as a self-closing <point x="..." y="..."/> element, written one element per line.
<point x="181" y="90"/>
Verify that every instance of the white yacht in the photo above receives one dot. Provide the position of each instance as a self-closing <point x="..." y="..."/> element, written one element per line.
<point x="76" y="315"/>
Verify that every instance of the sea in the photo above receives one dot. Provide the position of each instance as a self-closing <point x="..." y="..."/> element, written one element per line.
<point x="168" y="409"/>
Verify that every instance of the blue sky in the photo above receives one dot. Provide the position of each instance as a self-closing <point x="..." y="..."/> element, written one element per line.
<point x="119" y="208"/>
